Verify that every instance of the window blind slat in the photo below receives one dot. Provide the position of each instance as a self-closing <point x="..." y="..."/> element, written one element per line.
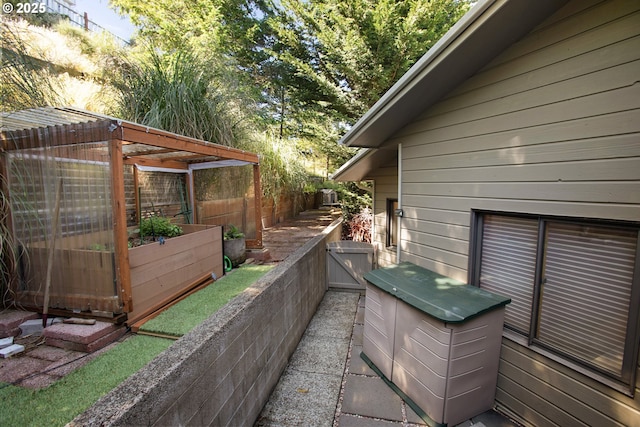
<point x="508" y="263"/>
<point x="585" y="300"/>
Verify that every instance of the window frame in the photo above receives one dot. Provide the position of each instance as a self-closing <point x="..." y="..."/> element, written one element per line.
<point x="392" y="219"/>
<point x="626" y="382"/>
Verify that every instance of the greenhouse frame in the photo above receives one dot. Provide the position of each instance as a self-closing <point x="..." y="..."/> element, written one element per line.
<point x="70" y="182"/>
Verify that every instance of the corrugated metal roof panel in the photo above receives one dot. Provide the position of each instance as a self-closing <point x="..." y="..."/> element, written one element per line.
<point x="46" y="116"/>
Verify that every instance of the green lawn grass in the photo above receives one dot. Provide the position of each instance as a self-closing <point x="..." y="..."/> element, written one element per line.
<point x="59" y="403"/>
<point x="65" y="399"/>
<point x="180" y="318"/>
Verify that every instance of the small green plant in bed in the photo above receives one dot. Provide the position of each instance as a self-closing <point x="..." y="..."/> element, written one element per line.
<point x="159" y="226"/>
<point x="233" y="232"/>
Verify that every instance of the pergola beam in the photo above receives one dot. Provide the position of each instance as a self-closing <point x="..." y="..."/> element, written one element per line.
<point x="141" y="135"/>
<point x="158" y="163"/>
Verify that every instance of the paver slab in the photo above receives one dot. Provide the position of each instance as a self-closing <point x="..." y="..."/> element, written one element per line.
<point x="302" y="399"/>
<point x="371" y="397"/>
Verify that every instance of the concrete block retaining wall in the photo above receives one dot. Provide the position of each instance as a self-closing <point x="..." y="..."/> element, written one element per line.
<point x="223" y="371"/>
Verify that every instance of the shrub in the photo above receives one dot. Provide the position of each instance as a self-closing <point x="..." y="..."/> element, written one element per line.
<point x="159" y="226"/>
<point x="233" y="232"/>
<point x="360" y="226"/>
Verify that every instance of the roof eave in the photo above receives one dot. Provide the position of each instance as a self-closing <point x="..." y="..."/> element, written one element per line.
<point x="485" y="31"/>
<point x="359" y="167"/>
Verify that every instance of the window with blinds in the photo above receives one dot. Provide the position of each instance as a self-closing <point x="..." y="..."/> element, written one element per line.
<point x="508" y="265"/>
<point x="574" y="286"/>
<point x="392" y="223"/>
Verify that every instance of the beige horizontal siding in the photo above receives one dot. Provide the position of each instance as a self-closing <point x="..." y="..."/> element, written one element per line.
<point x="564" y="58"/>
<point x="615" y="169"/>
<point x="386" y="187"/>
<point x="440" y="224"/>
<point x="444" y="128"/>
<point x="547" y="92"/>
<point x="564" y="143"/>
<point x="552" y="127"/>
<point x="462" y="206"/>
<point x="608" y="192"/>
<point x="572" y="30"/>
<point x="516" y="145"/>
<point x="598" y="149"/>
<point x="588" y="403"/>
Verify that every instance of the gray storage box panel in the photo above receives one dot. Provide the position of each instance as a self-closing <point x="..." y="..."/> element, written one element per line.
<point x="378" y="333"/>
<point x="440" y="337"/>
<point x="451" y="376"/>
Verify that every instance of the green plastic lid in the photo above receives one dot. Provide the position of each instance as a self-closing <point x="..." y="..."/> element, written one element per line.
<point x="439" y="296"/>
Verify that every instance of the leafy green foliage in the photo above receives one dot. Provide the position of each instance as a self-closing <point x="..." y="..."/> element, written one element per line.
<point x="172" y="25"/>
<point x="281" y="166"/>
<point x="346" y="54"/>
<point x="283" y="79"/>
<point x="233" y="232"/>
<point x="353" y="197"/>
<point x="316" y="65"/>
<point x="159" y="226"/>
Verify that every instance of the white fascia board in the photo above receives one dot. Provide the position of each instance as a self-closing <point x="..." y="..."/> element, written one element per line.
<point x="158" y="169"/>
<point x="218" y="164"/>
<point x="349" y="164"/>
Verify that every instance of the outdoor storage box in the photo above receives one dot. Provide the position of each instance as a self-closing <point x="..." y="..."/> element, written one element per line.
<point x="434" y="339"/>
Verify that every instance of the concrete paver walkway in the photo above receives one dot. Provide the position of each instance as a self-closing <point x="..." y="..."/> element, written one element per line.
<point x="308" y="390"/>
<point x="328" y="384"/>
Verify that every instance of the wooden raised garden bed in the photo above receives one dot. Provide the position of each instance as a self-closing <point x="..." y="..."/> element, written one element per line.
<point x="161" y="272"/>
<point x="84" y="279"/>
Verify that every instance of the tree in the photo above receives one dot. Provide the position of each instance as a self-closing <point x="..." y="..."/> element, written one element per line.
<point x="225" y="35"/>
<point x="346" y="53"/>
<point x="331" y="59"/>
<point x="313" y="66"/>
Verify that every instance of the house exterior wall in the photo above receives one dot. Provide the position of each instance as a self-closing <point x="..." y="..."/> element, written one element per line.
<point x="550" y="127"/>
<point x="385" y="187"/>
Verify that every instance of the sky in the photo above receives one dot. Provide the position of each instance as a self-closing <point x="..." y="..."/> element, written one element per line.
<point x="100" y="13"/>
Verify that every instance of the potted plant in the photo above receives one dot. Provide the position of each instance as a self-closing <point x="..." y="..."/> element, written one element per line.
<point x="234" y="245"/>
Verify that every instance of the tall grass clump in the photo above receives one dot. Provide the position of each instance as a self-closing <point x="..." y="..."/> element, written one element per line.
<point x="58" y="66"/>
<point x="178" y="93"/>
<point x="186" y="94"/>
<point x="8" y="257"/>
<point x="281" y="167"/>
<point x="27" y="81"/>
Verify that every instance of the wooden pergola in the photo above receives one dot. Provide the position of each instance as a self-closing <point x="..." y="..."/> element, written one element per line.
<point x="124" y="143"/>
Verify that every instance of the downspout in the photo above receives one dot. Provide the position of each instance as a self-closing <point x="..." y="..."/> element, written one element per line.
<point x="399" y="246"/>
